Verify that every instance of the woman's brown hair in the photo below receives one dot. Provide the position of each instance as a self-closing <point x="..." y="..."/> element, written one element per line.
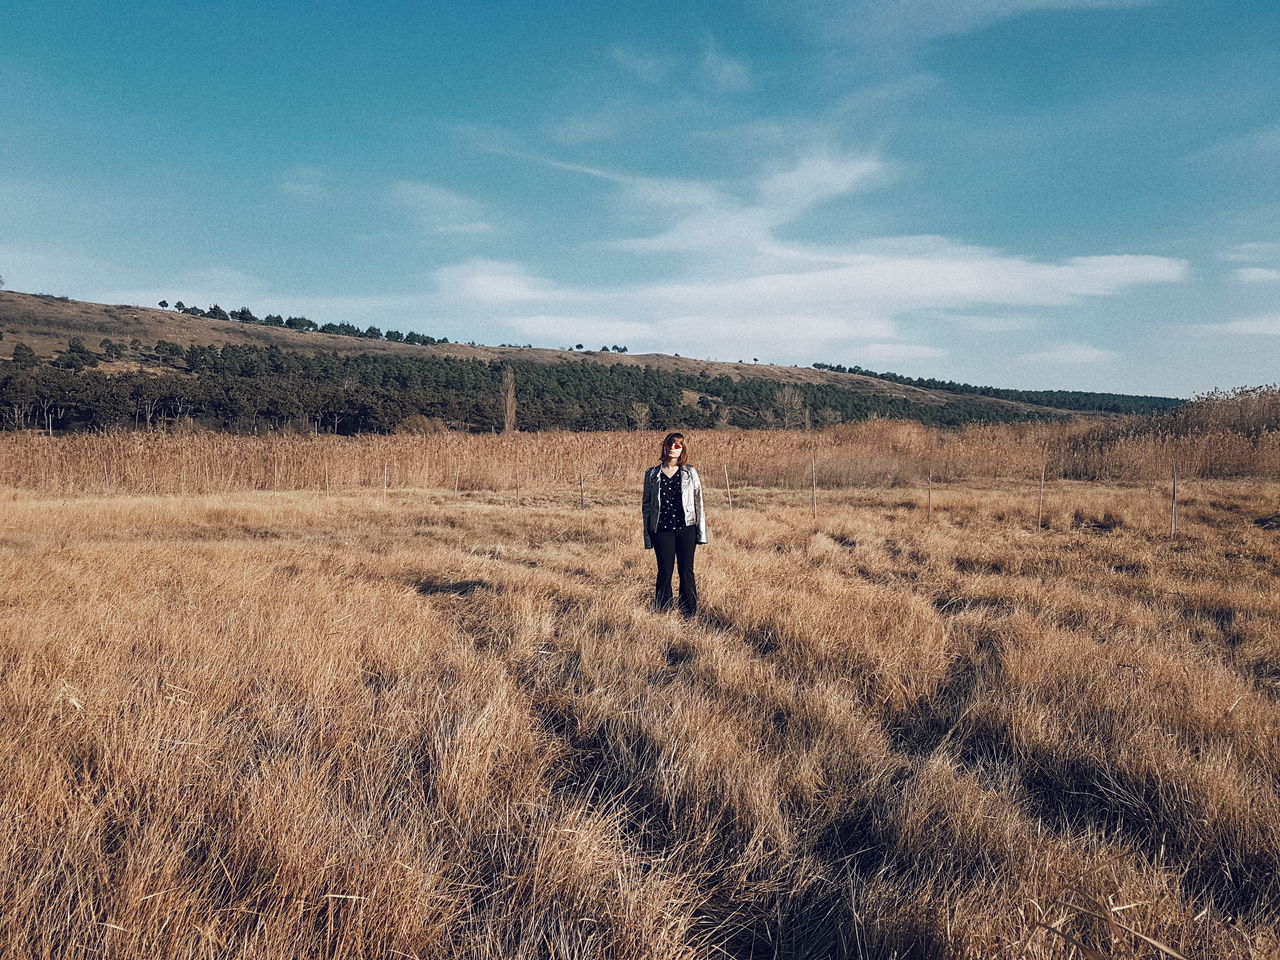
<point x="684" y="449"/>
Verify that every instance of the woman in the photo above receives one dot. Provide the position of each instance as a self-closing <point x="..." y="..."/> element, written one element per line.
<point x="674" y="523"/>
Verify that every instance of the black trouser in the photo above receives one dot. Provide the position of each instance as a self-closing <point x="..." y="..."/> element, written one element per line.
<point x="673" y="547"/>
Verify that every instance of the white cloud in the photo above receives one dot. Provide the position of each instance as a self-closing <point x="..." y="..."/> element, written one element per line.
<point x="866" y="108"/>
<point x="745" y="290"/>
<point x="867" y="22"/>
<point x="499" y="281"/>
<point x="304" y="182"/>
<point x="979" y="323"/>
<point x="32" y="268"/>
<point x="438" y="210"/>
<point x="639" y="191"/>
<point x="711" y="221"/>
<point x="1260" y="148"/>
<point x="226" y="286"/>
<point x="1257" y="274"/>
<point x="804" y="311"/>
<point x="1259" y="251"/>
<point x="723" y="73"/>
<point x="587" y="329"/>
<point x="1069" y="353"/>
<point x="643" y="66"/>
<point x="896" y="352"/>
<point x="220" y="277"/>
<point x="584" y="129"/>
<point x="1267" y="325"/>
<point x="815" y="178"/>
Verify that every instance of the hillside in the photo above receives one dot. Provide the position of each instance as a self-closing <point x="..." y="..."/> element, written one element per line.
<point x="701" y="393"/>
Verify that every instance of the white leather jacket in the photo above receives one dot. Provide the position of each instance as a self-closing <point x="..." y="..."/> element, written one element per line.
<point x="690" y="490"/>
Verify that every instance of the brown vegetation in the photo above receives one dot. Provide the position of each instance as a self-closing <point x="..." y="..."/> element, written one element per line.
<point x="1233" y="435"/>
<point x="342" y="720"/>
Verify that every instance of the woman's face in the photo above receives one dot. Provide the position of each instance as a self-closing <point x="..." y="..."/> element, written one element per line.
<point x="674" y="448"/>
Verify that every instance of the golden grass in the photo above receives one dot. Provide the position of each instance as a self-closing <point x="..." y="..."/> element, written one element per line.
<point x="877" y="453"/>
<point x="269" y="724"/>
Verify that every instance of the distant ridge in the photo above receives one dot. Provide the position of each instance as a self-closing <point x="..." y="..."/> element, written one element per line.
<point x="123" y="341"/>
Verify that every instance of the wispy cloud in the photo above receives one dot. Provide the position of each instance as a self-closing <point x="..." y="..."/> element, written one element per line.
<point x="1257" y="274"/>
<point x="744" y="286"/>
<point x="1258" y="251"/>
<point x="1070" y="353"/>
<point x="863" y="22"/>
<point x="1264" y="257"/>
<point x="811" y="310"/>
<point x="813" y="179"/>
<point x="648" y="67"/>
<point x="304" y="181"/>
<point x="897" y="352"/>
<point x="800" y="130"/>
<point x="1259" y="148"/>
<point x="642" y="191"/>
<point x="588" y="329"/>
<point x="41" y="268"/>
<point x="227" y="286"/>
<point x="712" y="221"/>
<point x="585" y="128"/>
<point x="439" y="210"/>
<point x="1267" y="325"/>
<point x="722" y="72"/>
<point x="979" y="323"/>
<point x="501" y="282"/>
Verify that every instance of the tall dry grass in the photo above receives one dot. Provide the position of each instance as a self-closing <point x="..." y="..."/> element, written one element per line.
<point x="1231" y="438"/>
<point x="280" y="724"/>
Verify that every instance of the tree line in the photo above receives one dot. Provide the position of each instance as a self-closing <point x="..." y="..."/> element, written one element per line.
<point x="264" y="388"/>
<point x="304" y="325"/>
<point x="1080" y="400"/>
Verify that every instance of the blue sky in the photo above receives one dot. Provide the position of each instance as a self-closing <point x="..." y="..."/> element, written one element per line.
<point x="1028" y="193"/>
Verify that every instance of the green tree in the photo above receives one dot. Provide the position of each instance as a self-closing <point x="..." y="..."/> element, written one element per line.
<point x="77" y="356"/>
<point x="169" y="350"/>
<point x="24" y="358"/>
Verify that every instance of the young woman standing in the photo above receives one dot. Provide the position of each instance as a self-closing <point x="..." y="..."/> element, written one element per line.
<point x="674" y="523"/>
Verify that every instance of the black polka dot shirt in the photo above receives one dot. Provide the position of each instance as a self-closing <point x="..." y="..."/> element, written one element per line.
<point x="671" y="512"/>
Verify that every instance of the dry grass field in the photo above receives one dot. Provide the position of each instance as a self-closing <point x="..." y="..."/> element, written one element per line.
<point x="352" y="721"/>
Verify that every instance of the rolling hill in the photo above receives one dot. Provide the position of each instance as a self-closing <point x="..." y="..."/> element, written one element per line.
<point x="124" y="340"/>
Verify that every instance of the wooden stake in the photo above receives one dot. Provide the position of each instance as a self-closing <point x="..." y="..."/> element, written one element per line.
<point x="582" y="495"/>
<point x="456" y="477"/>
<point x="1173" y="500"/>
<point x="727" y="488"/>
<point x="929" y="499"/>
<point x="813" y="465"/>
<point x="1044" y="468"/>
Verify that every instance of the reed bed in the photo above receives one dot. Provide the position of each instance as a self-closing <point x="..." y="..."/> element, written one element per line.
<point x="954" y="723"/>
<point x="875" y="453"/>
